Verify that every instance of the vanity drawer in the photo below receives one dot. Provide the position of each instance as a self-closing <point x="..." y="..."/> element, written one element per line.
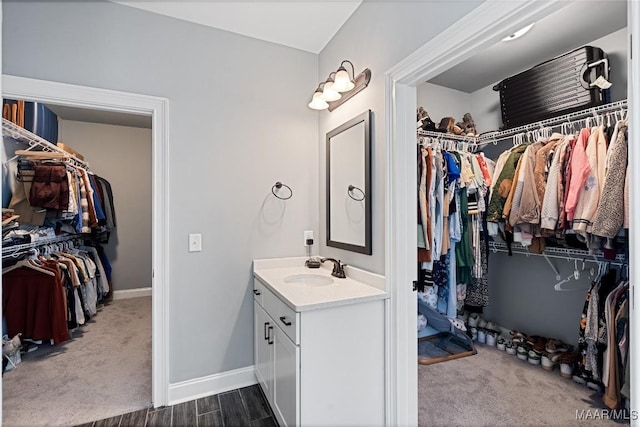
<point x="285" y="317"/>
<point x="258" y="291"/>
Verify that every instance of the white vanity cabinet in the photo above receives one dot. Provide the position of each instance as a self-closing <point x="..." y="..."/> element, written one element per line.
<point x="320" y="365"/>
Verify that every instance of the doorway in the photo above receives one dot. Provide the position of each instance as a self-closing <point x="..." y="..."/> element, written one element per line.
<point x="157" y="108"/>
<point x="483" y="27"/>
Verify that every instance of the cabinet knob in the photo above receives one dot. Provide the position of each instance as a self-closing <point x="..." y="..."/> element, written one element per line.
<point x="256" y="292"/>
<point x="266" y="334"/>
<point x="270" y="341"/>
<point x="284" y="320"/>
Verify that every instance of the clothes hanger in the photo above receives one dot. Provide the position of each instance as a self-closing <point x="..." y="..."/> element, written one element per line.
<point x="27" y="263"/>
<point x="575" y="275"/>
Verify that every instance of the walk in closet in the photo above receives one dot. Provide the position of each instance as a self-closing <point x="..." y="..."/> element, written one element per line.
<point x="86" y="249"/>
<point x="518" y="283"/>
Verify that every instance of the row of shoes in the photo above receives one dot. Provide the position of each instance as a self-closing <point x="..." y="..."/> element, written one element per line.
<point x="448" y="125"/>
<point x="534" y="349"/>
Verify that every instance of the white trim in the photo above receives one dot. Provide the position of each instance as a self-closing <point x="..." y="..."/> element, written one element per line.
<point x="481" y="28"/>
<point x="633" y="98"/>
<point x="158" y="108"/>
<point x="131" y="293"/>
<point x="185" y="391"/>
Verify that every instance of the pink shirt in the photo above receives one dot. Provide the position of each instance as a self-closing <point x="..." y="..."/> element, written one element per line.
<point x="580" y="169"/>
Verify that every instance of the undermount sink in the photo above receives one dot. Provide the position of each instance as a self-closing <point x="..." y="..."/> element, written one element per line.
<point x="309" y="279"/>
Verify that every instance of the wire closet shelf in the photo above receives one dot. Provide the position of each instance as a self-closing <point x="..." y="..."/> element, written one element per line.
<point x="20" y="134"/>
<point x="15" y="250"/>
<point x="590" y="115"/>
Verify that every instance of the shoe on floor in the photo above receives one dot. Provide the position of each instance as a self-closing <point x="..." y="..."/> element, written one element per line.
<point x="556" y="346"/>
<point x="548" y="364"/>
<point x="518" y="337"/>
<point x="533" y="357"/>
<point x="539" y="343"/>
<point x="473" y="319"/>
<point x="491" y="338"/>
<point x="522" y="352"/>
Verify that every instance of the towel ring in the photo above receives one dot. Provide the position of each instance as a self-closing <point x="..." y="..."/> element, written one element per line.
<point x="278" y="185"/>
<point x="353" y="187"/>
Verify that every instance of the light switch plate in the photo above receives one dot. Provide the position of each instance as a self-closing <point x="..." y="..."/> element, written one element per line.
<point x="195" y="242"/>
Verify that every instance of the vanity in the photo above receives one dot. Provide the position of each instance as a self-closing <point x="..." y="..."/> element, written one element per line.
<point x="319" y="343"/>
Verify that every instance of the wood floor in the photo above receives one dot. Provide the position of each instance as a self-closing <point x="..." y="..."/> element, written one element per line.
<point x="242" y="407"/>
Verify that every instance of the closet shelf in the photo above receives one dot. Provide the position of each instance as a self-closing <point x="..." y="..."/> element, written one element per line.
<point x="593" y="112"/>
<point x="20" y="134"/>
<point x="493" y="137"/>
<point x="562" y="253"/>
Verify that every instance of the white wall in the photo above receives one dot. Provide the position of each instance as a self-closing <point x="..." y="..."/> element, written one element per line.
<point x="440" y="101"/>
<point x="121" y="155"/>
<point x="377" y="36"/>
<point x="230" y="140"/>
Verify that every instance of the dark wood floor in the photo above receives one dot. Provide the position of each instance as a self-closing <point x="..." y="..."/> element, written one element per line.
<point x="242" y="407"/>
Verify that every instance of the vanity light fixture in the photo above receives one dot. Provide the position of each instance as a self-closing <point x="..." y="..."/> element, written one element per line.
<point x="339" y="87"/>
<point x="518" y="33"/>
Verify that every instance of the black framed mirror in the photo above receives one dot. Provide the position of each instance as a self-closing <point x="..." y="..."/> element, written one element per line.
<point x="349" y="185"/>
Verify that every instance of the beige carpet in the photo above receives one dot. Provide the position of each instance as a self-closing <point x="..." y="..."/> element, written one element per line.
<point x="105" y="370"/>
<point x="493" y="388"/>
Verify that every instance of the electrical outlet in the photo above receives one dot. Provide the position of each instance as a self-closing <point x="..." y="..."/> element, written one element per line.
<point x="308" y="234"/>
<point x="195" y="242"/>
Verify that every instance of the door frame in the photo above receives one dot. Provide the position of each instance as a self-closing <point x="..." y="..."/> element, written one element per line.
<point x="482" y="27"/>
<point x="158" y="108"/>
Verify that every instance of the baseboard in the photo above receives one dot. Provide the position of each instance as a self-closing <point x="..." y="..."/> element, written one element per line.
<point x="132" y="293"/>
<point x="185" y="391"/>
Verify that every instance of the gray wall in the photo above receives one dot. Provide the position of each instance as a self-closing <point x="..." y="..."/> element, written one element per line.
<point x="121" y="155"/>
<point x="230" y="141"/>
<point x="377" y="36"/>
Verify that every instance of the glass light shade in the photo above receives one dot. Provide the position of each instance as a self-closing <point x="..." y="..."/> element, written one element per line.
<point x="342" y="82"/>
<point x="317" y="103"/>
<point x="329" y="93"/>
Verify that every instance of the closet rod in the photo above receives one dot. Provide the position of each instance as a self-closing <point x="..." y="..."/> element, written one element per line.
<point x="451" y="142"/>
<point x="18" y="133"/>
<point x="493" y="137"/>
<point x="559" y="253"/>
<point x="448" y="136"/>
<point x="8" y="251"/>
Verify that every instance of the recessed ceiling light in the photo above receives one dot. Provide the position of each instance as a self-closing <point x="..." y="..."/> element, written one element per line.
<point x="518" y="33"/>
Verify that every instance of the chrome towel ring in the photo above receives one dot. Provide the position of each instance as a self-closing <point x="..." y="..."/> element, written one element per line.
<point x="350" y="193"/>
<point x="278" y="185"/>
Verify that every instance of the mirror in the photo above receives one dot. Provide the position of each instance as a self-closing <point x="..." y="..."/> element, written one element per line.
<point x="349" y="185"/>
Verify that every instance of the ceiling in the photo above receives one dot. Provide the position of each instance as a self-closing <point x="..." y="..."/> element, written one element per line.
<point x="305" y="25"/>
<point x="554" y="35"/>
<point x="100" y="116"/>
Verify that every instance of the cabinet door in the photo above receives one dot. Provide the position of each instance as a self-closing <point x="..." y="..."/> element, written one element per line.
<point x="263" y="348"/>
<point x="286" y="379"/>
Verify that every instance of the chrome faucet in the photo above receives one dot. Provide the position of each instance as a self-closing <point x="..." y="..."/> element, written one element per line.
<point x="338" y="267"/>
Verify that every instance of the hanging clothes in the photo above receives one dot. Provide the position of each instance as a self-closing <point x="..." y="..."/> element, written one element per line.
<point x="453" y="189"/>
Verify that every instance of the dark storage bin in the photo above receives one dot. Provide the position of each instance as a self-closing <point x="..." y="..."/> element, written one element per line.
<point x="36" y="118"/>
<point x="558" y="86"/>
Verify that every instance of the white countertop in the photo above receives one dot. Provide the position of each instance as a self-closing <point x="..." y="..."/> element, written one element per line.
<point x="300" y="297"/>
